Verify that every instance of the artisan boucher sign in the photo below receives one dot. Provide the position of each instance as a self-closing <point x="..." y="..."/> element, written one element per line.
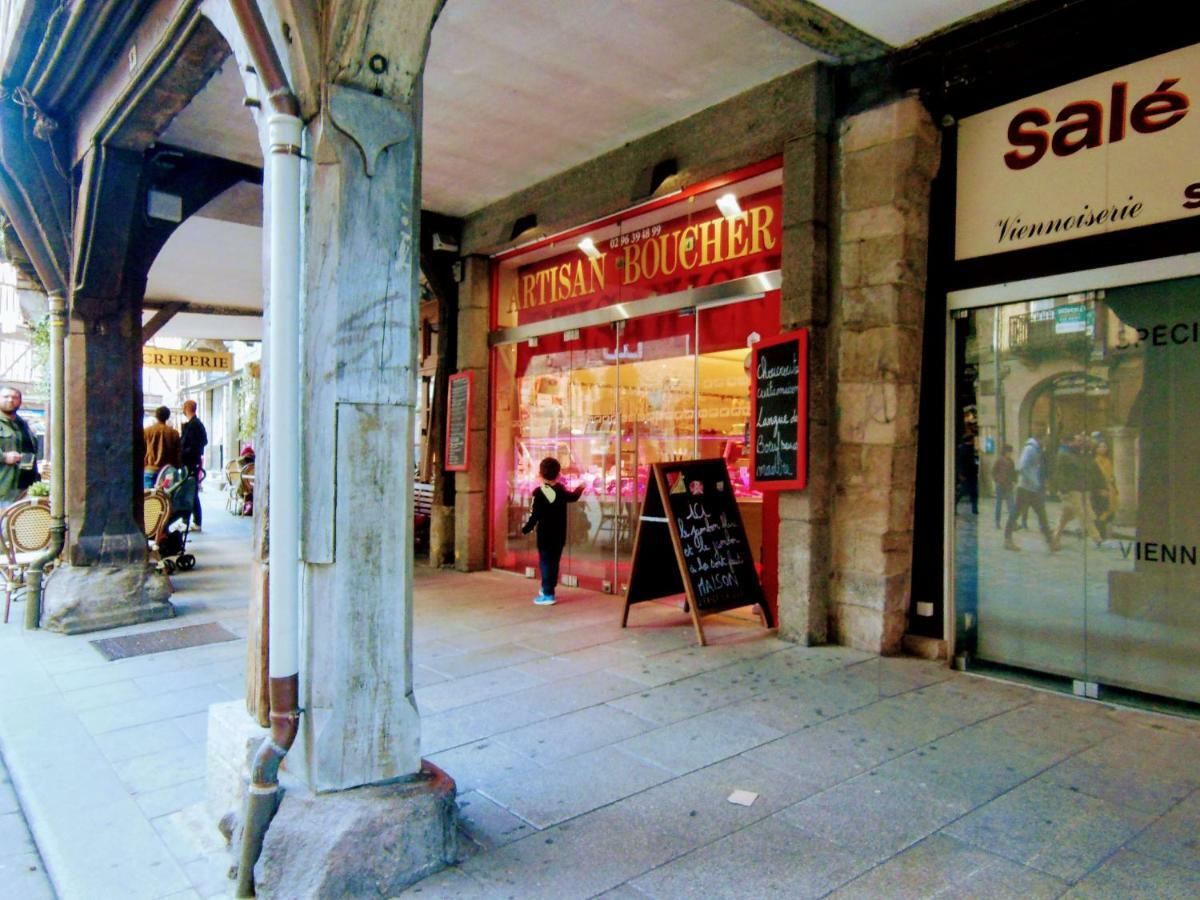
<point x="697" y="248"/>
<point x="1114" y="151"/>
<point x="196" y="360"/>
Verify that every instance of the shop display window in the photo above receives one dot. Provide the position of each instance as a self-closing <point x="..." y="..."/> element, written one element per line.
<point x="608" y="402"/>
<point x="1092" y="398"/>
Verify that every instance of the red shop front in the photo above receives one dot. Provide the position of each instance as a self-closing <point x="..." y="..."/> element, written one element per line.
<point x="625" y="343"/>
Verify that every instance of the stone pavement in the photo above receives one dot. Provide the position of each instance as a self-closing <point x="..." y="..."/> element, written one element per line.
<point x="594" y="760"/>
<point x="22" y="876"/>
<point x="108" y="758"/>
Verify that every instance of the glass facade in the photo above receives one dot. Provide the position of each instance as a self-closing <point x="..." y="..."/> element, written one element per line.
<point x="610" y="400"/>
<point x="1076" y="486"/>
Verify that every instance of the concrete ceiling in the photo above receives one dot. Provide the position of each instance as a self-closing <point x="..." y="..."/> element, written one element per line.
<point x="515" y="92"/>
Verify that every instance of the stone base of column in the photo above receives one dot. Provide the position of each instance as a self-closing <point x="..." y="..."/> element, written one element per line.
<point x="365" y="842"/>
<point x="233" y="739"/>
<point x="79" y="599"/>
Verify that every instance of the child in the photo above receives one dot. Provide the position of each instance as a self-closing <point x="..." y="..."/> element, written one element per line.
<point x="548" y="515"/>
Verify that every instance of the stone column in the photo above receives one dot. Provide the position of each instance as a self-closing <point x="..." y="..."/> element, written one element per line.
<point x="888" y="157"/>
<point x="359" y="348"/>
<point x="471" y="506"/>
<point x="804" y="516"/>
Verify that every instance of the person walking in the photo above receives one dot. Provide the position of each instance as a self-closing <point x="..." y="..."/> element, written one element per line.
<point x="1004" y="478"/>
<point x="1076" y="476"/>
<point x="1031" y="494"/>
<point x="18" y="447"/>
<point x="193" y="438"/>
<point x="1104" y="500"/>
<point x="548" y="514"/>
<point x="162" y="447"/>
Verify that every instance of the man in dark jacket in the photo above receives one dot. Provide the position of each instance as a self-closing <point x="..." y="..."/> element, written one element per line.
<point x="18" y="446"/>
<point x="193" y="438"/>
<point x="548" y="514"/>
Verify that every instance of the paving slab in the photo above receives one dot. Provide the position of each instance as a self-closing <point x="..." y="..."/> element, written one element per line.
<point x="941" y="867"/>
<point x="1130" y="874"/>
<point x="770" y="858"/>
<point x="1050" y="828"/>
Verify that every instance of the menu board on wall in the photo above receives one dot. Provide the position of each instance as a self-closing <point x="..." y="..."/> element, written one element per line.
<point x="458" y="422"/>
<point x="779" y="412"/>
<point x="691" y="514"/>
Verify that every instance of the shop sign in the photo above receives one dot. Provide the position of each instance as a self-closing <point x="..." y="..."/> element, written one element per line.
<point x="699" y="248"/>
<point x="458" y="422"/>
<point x="195" y="360"/>
<point x="1072" y="319"/>
<point x="1106" y="153"/>
<point x="691" y="515"/>
<point x="779" y="412"/>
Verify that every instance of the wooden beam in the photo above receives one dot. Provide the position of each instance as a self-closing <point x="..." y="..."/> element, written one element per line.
<point x="201" y="309"/>
<point x="159" y="319"/>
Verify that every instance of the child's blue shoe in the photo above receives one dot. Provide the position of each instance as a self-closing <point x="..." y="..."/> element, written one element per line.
<point x="544" y="600"/>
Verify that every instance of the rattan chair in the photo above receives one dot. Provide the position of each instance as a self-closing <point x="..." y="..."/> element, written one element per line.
<point x="156" y="509"/>
<point x="233" y="483"/>
<point x="24" y="534"/>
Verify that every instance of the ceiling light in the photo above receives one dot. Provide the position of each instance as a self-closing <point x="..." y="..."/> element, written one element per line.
<point x="728" y="205"/>
<point x="588" y="246"/>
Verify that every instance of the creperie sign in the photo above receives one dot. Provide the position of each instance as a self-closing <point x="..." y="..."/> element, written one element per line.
<point x="1109" y="152"/>
<point x="197" y="360"/>
<point x="702" y="248"/>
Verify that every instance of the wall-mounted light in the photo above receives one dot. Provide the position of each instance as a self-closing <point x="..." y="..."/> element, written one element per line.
<point x="729" y="206"/>
<point x="164" y="206"/>
<point x="588" y="246"/>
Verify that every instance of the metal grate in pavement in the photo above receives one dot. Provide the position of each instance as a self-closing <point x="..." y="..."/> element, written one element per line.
<point x="160" y="641"/>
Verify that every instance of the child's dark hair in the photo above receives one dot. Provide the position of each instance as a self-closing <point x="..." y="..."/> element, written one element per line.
<point x="549" y="468"/>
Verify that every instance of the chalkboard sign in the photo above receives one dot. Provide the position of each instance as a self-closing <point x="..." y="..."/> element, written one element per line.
<point x="691" y="515"/>
<point x="779" y="412"/>
<point x="458" y="422"/>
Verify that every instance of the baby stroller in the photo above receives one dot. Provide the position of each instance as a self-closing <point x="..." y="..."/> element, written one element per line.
<point x="180" y="485"/>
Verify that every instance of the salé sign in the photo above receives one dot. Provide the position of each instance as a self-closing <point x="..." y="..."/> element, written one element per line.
<point x="1110" y="152"/>
<point x="697" y="248"/>
<point x="196" y="360"/>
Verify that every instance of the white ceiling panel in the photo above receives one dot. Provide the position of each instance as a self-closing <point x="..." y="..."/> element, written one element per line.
<point x="518" y="91"/>
<point x="209" y="261"/>
<point x="899" y="22"/>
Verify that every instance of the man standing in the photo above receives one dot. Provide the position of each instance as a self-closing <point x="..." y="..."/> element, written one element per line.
<point x="193" y="439"/>
<point x="19" y="449"/>
<point x="1004" y="478"/>
<point x="162" y="447"/>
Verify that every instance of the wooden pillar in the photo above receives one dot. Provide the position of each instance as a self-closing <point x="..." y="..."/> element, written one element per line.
<point x="360" y="320"/>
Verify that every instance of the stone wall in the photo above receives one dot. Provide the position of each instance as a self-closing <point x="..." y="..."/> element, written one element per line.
<point x="470" y="488"/>
<point x="886" y="160"/>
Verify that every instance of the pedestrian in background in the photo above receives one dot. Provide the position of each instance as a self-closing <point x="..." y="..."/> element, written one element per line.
<point x="162" y="447"/>
<point x="548" y="514"/>
<point x="1004" y="478"/>
<point x="193" y="438"/>
<point x="1031" y="494"/>
<point x="19" y="449"/>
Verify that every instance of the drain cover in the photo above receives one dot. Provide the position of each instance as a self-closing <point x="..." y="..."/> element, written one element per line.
<point x="160" y="641"/>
